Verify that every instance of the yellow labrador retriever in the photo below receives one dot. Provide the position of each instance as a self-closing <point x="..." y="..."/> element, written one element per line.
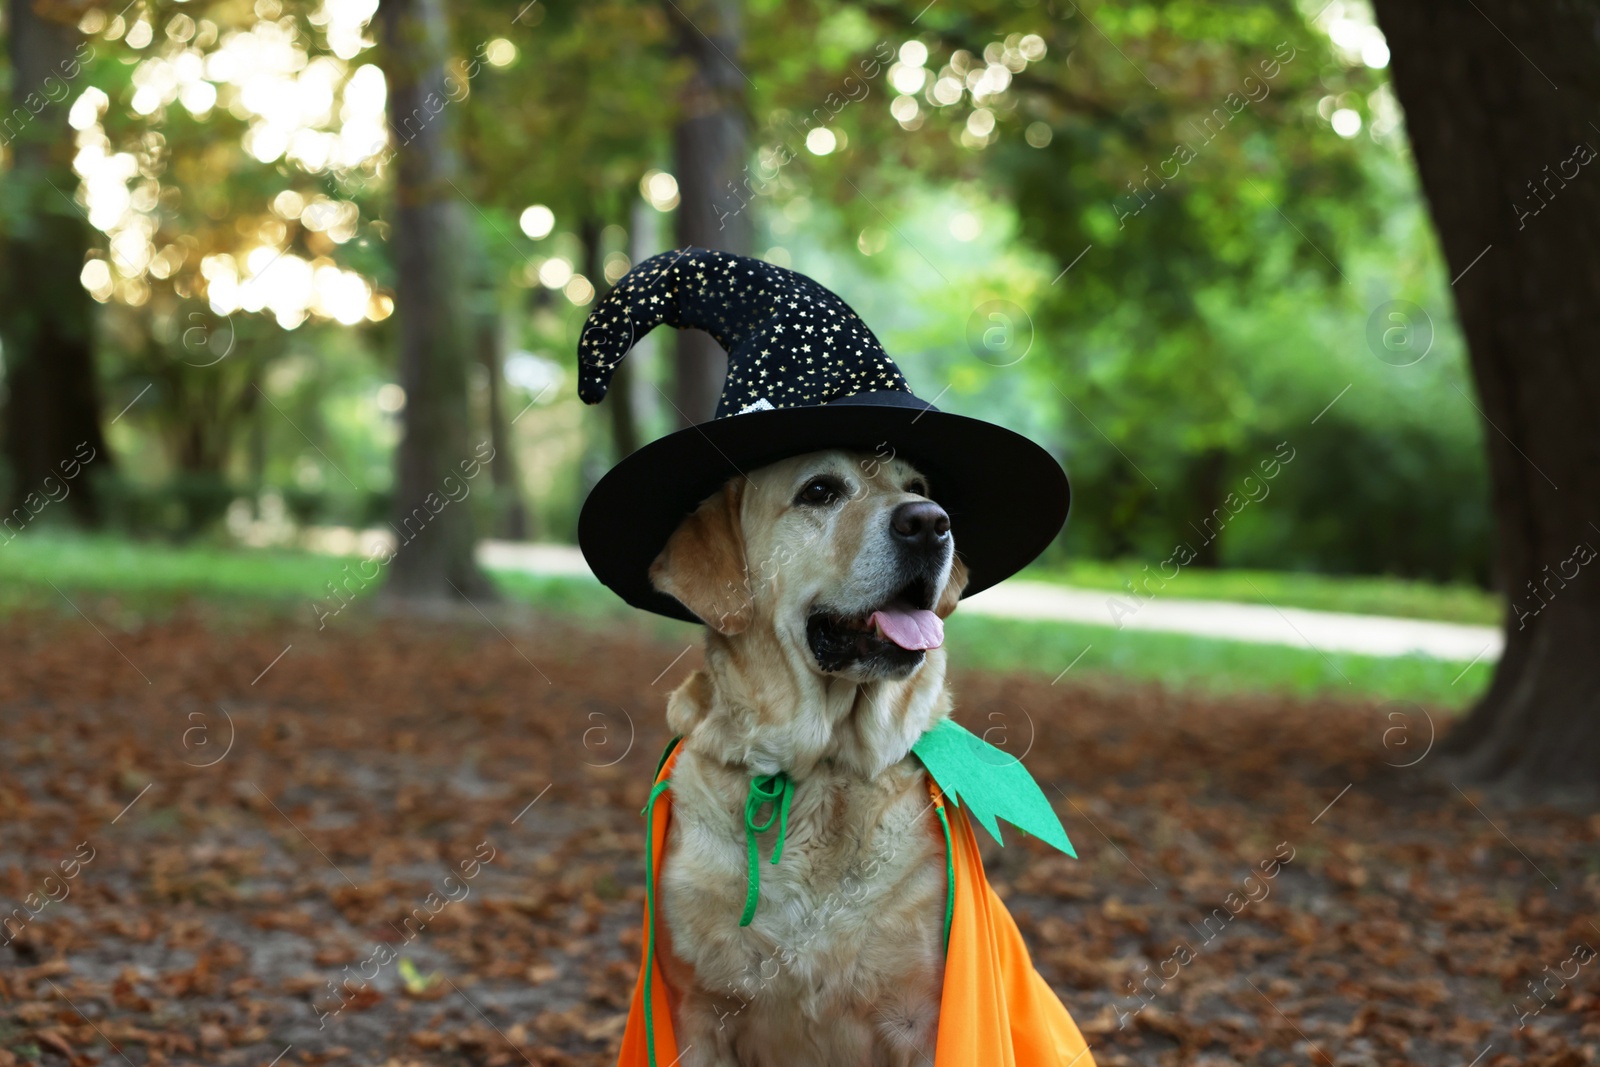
<point x="824" y="581"/>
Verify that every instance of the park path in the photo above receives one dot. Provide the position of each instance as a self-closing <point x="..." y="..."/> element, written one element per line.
<point x="1324" y="631"/>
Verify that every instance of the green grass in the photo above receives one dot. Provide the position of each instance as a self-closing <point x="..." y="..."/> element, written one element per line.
<point x="1364" y="595"/>
<point x="153" y="577"/>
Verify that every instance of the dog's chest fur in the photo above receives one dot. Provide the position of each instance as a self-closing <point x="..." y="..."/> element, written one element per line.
<point x="843" y="961"/>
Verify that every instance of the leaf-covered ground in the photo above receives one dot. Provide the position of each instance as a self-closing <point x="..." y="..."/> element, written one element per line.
<point x="221" y="834"/>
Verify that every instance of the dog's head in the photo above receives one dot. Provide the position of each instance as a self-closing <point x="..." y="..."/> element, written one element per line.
<point x="844" y="557"/>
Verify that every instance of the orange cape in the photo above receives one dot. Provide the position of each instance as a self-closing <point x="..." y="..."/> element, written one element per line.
<point x="995" y="1011"/>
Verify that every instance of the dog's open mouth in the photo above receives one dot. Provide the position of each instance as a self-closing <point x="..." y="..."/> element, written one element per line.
<point x="894" y="635"/>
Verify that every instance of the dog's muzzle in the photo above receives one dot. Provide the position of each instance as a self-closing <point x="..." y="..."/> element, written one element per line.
<point x="891" y="638"/>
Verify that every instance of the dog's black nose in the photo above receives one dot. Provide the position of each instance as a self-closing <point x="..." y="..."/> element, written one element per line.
<point x="920" y="524"/>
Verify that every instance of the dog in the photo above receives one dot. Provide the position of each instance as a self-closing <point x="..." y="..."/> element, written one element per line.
<point x="824" y="581"/>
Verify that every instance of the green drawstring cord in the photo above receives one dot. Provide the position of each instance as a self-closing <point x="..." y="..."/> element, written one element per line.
<point x="949" y="875"/>
<point x="774" y="789"/>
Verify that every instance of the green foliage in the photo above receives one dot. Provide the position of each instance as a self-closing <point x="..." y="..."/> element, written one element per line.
<point x="1213" y="255"/>
<point x="1193" y="253"/>
<point x="575" y="120"/>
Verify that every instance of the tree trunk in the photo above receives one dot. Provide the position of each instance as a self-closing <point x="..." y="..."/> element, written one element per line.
<point x="621" y="406"/>
<point x="254" y="416"/>
<point x="1500" y="101"/>
<point x="434" y="530"/>
<point x="593" y="431"/>
<point x="708" y="146"/>
<point x="511" y="516"/>
<point x="52" y="410"/>
<point x="641" y="403"/>
<point x="1210" y="496"/>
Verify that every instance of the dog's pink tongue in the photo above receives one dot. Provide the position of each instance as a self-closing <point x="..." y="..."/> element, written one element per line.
<point x="914" y="629"/>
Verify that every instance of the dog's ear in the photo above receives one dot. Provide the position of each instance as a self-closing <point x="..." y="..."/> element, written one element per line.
<point x="703" y="565"/>
<point x="952" y="589"/>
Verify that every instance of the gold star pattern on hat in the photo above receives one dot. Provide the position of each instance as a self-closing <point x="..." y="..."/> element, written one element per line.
<point x="765" y="316"/>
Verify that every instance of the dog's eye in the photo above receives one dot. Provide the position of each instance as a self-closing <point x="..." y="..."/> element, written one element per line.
<point x="820" y="492"/>
<point x="917" y="487"/>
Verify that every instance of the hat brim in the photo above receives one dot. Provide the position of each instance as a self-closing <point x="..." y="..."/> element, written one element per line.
<point x="1007" y="497"/>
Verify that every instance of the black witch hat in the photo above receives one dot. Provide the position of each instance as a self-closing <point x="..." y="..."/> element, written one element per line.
<point x="804" y="374"/>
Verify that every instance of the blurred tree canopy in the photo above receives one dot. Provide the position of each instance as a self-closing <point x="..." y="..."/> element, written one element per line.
<point x="1151" y="234"/>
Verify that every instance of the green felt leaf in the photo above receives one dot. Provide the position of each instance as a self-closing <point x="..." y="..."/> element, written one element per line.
<point x="989" y="782"/>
